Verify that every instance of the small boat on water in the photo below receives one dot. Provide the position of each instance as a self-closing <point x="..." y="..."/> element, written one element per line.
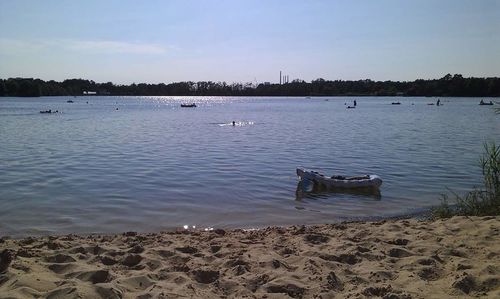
<point x="306" y="189"/>
<point x="396" y="103"/>
<point x="69" y="101"/>
<point x="351" y="107"/>
<point x="193" y="105"/>
<point x="49" y="111"/>
<point x="338" y="181"/>
<point x="483" y="103"/>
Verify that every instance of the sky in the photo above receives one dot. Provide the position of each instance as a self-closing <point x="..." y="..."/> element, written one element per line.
<point x="151" y="41"/>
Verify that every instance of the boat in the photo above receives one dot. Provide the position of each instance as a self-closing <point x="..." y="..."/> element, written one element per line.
<point x="49" y="111"/>
<point x="338" y="181"/>
<point x="69" y="101"/>
<point x="305" y="189"/>
<point x="350" y="107"/>
<point x="193" y="105"/>
<point x="396" y="103"/>
<point x="482" y="103"/>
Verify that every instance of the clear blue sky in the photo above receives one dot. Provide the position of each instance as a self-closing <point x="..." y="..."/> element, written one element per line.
<point x="243" y="41"/>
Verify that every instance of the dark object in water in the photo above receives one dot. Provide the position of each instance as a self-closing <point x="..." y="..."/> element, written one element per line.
<point x="337" y="181"/>
<point x="482" y="103"/>
<point x="430" y="104"/>
<point x="396" y="103"/>
<point x="49" y="111"/>
<point x="349" y="107"/>
<point x="308" y="189"/>
<point x="341" y="177"/>
<point x="69" y="101"/>
<point x="193" y="105"/>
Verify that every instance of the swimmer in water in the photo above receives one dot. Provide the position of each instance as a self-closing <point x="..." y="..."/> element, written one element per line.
<point x="234" y="123"/>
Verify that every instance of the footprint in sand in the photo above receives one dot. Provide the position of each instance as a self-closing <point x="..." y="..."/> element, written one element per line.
<point x="205" y="276"/>
<point x="96" y="276"/>
<point x="399" y="253"/>
<point x="131" y="260"/>
<point x="60" y="258"/>
<point x="62" y="268"/>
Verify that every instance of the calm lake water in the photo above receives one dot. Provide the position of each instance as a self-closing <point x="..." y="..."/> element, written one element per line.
<point x="152" y="165"/>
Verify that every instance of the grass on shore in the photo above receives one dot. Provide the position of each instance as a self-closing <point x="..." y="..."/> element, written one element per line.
<point x="483" y="201"/>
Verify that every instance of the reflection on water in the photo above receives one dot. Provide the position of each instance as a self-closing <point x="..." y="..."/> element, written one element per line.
<point x="307" y="189"/>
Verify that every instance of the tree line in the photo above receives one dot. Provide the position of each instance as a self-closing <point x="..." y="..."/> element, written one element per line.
<point x="449" y="85"/>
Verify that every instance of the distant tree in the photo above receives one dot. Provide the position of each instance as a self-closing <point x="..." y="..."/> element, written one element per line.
<point x="28" y="88"/>
<point x="447" y="77"/>
<point x="449" y="85"/>
<point x="2" y="88"/>
<point x="11" y="87"/>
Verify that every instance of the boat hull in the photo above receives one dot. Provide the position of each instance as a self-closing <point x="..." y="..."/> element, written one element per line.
<point x="371" y="181"/>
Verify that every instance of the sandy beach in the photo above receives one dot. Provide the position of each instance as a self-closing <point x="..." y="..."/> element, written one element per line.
<point x="452" y="258"/>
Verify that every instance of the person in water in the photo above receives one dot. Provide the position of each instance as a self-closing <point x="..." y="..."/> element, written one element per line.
<point x="234" y="123"/>
<point x="438" y="102"/>
<point x="354" y="102"/>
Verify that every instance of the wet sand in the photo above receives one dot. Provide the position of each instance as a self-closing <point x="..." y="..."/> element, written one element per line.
<point x="453" y="258"/>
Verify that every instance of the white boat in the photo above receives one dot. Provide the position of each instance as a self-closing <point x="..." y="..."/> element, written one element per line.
<point x="319" y="180"/>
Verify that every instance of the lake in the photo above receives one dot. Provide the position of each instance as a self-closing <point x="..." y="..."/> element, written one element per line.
<point x="114" y="164"/>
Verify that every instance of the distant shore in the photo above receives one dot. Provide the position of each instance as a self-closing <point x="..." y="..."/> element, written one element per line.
<point x="405" y="258"/>
<point x="447" y="86"/>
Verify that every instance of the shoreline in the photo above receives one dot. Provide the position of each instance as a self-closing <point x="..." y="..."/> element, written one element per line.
<point x="419" y="214"/>
<point x="390" y="258"/>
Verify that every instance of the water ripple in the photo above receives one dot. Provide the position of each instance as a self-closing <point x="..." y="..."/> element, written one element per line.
<point x="151" y="165"/>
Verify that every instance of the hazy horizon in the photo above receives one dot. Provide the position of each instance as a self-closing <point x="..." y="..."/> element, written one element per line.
<point x="236" y="82"/>
<point x="248" y="41"/>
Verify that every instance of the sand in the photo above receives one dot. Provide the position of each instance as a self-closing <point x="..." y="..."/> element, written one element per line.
<point x="453" y="258"/>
